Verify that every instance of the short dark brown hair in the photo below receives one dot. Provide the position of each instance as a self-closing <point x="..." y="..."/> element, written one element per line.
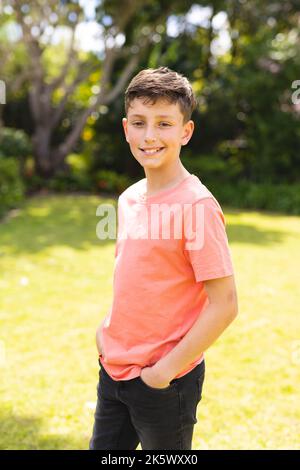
<point x="162" y="83"/>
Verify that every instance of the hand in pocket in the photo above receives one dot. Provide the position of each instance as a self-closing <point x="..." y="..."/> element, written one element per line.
<point x="152" y="380"/>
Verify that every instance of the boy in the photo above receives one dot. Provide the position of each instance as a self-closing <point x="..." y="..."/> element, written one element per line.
<point x="173" y="295"/>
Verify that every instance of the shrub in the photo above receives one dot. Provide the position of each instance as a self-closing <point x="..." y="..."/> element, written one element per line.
<point x="63" y="182"/>
<point x="211" y="166"/>
<point x="111" y="182"/>
<point x="78" y="163"/>
<point x="14" y="143"/>
<point x="271" y="197"/>
<point x="11" y="185"/>
<point x="74" y="178"/>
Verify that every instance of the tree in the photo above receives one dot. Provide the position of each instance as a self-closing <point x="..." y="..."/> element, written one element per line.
<point x="39" y="21"/>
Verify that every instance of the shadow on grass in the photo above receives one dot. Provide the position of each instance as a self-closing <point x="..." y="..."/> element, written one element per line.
<point x="243" y="233"/>
<point x="249" y="233"/>
<point x="19" y="432"/>
<point x="54" y="220"/>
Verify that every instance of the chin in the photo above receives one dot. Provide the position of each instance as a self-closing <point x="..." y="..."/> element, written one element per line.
<point x="151" y="164"/>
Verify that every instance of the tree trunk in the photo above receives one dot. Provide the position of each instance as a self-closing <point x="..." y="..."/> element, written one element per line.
<point x="44" y="164"/>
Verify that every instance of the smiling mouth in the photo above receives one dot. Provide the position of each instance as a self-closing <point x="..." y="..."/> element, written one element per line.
<point x="152" y="151"/>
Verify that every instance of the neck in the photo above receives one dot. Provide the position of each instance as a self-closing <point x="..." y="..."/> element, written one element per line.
<point x="159" y="179"/>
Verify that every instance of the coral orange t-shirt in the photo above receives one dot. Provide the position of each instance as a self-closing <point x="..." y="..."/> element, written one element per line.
<point x="167" y="245"/>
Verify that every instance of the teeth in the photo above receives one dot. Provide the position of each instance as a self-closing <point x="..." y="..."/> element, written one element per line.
<point x="152" y="151"/>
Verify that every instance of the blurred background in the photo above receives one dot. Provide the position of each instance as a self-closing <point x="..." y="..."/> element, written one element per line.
<point x="64" y="67"/>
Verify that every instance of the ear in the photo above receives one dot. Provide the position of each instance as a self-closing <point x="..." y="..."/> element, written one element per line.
<point x="188" y="130"/>
<point x="124" y="123"/>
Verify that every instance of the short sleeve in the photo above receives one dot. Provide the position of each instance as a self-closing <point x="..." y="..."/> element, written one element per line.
<point x="206" y="244"/>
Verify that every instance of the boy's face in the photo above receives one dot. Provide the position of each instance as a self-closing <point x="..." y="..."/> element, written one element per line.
<point x="156" y="132"/>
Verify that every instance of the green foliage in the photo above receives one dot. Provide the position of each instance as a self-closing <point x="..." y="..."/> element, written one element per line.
<point x="78" y="163"/>
<point x="210" y="165"/>
<point x="78" y="175"/>
<point x="111" y="182"/>
<point x="246" y="126"/>
<point x="222" y="178"/>
<point x="271" y="197"/>
<point x="11" y="185"/>
<point x="62" y="182"/>
<point x="14" y="143"/>
<point x="75" y="178"/>
<point x="69" y="182"/>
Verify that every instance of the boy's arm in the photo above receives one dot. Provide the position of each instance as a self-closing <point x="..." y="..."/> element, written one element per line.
<point x="98" y="337"/>
<point x="216" y="317"/>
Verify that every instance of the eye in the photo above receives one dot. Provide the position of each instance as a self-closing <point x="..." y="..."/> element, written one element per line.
<point x="141" y="123"/>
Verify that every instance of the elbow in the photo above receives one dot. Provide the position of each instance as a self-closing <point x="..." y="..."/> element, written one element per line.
<point x="233" y="312"/>
<point x="227" y="314"/>
<point x="233" y="309"/>
<point x="230" y="312"/>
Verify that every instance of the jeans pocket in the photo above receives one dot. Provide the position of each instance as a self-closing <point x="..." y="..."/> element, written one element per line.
<point x="165" y="389"/>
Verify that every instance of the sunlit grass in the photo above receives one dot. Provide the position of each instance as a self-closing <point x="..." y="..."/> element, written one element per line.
<point x="56" y="286"/>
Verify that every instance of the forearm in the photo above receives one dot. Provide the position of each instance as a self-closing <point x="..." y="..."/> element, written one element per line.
<point x="205" y="331"/>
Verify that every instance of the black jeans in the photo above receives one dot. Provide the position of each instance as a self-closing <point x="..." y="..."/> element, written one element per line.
<point x="129" y="412"/>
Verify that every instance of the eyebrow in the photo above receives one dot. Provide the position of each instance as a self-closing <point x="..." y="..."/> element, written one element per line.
<point x="168" y="116"/>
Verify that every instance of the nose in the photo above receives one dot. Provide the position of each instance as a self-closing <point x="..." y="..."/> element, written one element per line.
<point x="149" y="135"/>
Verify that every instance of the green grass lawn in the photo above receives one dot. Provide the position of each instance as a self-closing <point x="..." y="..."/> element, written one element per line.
<point x="55" y="288"/>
